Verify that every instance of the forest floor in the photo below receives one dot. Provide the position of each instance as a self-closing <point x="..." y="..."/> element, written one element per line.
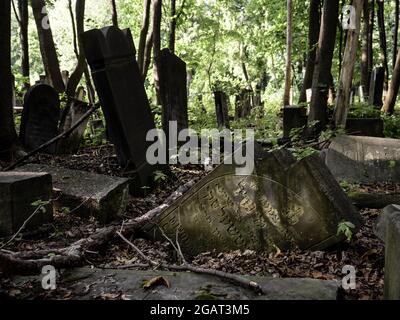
<point x="365" y="252"/>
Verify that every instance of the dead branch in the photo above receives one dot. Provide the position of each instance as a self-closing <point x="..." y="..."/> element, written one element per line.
<point x="54" y="140"/>
<point x="30" y="263"/>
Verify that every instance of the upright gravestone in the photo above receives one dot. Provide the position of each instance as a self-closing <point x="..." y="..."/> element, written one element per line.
<point x="222" y="109"/>
<point x="376" y="87"/>
<point x="173" y="91"/>
<point x="111" y="55"/>
<point x="293" y="118"/>
<point x="284" y="204"/>
<point x="40" y="117"/>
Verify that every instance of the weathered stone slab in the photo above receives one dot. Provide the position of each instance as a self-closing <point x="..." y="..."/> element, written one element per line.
<point x="284" y="203"/>
<point x="88" y="194"/>
<point x="111" y="55"/>
<point x="173" y="91"/>
<point x="372" y="127"/>
<point x="18" y="191"/>
<point x="388" y="229"/>
<point x="376" y="87"/>
<point x="89" y="284"/>
<point x="364" y="159"/>
<point x="293" y="118"/>
<point x="40" y="116"/>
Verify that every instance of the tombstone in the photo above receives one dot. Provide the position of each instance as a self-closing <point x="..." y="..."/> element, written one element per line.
<point x="388" y="230"/>
<point x="293" y="118"/>
<point x="376" y="87"/>
<point x="18" y="193"/>
<point x="222" y="109"/>
<point x="87" y="194"/>
<point x="285" y="204"/>
<point x="364" y="159"/>
<point x="111" y="55"/>
<point x="71" y="115"/>
<point x="173" y="91"/>
<point x="371" y="127"/>
<point x="40" y="116"/>
<point x="243" y="104"/>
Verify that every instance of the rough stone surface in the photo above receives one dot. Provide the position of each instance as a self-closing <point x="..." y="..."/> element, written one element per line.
<point x="293" y="118"/>
<point x="285" y="204"/>
<point x="40" y="116"/>
<point x="364" y="159"/>
<point x="372" y="127"/>
<point x="388" y="229"/>
<point x="376" y="87"/>
<point x="18" y="191"/>
<point x="90" y="284"/>
<point x="111" y="55"/>
<point x="101" y="196"/>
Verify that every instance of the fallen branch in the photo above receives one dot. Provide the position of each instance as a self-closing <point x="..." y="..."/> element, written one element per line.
<point x="31" y="262"/>
<point x="47" y="144"/>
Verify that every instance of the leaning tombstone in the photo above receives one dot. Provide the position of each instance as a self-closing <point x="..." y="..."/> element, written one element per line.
<point x="40" y="117"/>
<point x="173" y="91"/>
<point x="111" y="55"/>
<point x="283" y="204"/>
<point x="222" y="109"/>
<point x="376" y="87"/>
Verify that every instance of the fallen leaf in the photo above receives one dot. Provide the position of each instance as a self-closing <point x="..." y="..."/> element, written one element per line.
<point x="158" y="281"/>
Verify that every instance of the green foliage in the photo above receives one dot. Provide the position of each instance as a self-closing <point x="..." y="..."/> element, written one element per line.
<point x="347" y="229"/>
<point x="364" y="110"/>
<point x="40" y="205"/>
<point x="160" y="176"/>
<point x="392" y="126"/>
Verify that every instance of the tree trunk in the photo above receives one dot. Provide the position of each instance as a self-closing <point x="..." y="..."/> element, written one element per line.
<point x="396" y="31"/>
<point x="77" y="74"/>
<point x="313" y="34"/>
<point x="8" y="135"/>
<point x="47" y="47"/>
<point x="382" y="38"/>
<point x="349" y="61"/>
<point x="391" y="96"/>
<point x="288" y="72"/>
<point x="366" y="55"/>
<point x="114" y="13"/>
<point x="172" y="27"/>
<point x="323" y="63"/>
<point x="143" y="35"/>
<point x="157" y="13"/>
<point x="24" y="40"/>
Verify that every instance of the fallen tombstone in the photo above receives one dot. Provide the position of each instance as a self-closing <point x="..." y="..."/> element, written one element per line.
<point x="87" y="194"/>
<point x="173" y="91"/>
<point x="21" y="194"/>
<point x="40" y="117"/>
<point x="388" y="229"/>
<point x="364" y="159"/>
<point x="284" y="204"/>
<point x="111" y="55"/>
<point x="89" y="284"/>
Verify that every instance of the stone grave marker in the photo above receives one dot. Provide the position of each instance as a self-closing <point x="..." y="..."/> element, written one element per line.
<point x="376" y="87"/>
<point x="173" y="91"/>
<point x="222" y="109"/>
<point x="88" y="194"/>
<point x="285" y="203"/>
<point x="111" y="55"/>
<point x="18" y="191"/>
<point x="364" y="159"/>
<point x="293" y="118"/>
<point x="40" y="117"/>
<point x="372" y="127"/>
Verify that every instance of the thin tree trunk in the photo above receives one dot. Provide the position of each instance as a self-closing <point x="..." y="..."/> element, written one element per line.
<point x="77" y="74"/>
<point x="396" y="31"/>
<point x="323" y="63"/>
<point x="8" y="135"/>
<point x="157" y="14"/>
<point x="393" y="91"/>
<point x="47" y="47"/>
<point x="365" y="54"/>
<point x="172" y="27"/>
<point x="382" y="38"/>
<point x="349" y="61"/>
<point x="314" y="25"/>
<point x="24" y="40"/>
<point x="114" y="13"/>
<point x="143" y="35"/>
<point x="289" y="37"/>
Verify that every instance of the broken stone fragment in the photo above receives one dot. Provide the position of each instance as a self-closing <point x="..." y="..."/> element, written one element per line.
<point x="21" y="194"/>
<point x="87" y="194"/>
<point x="284" y="204"/>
